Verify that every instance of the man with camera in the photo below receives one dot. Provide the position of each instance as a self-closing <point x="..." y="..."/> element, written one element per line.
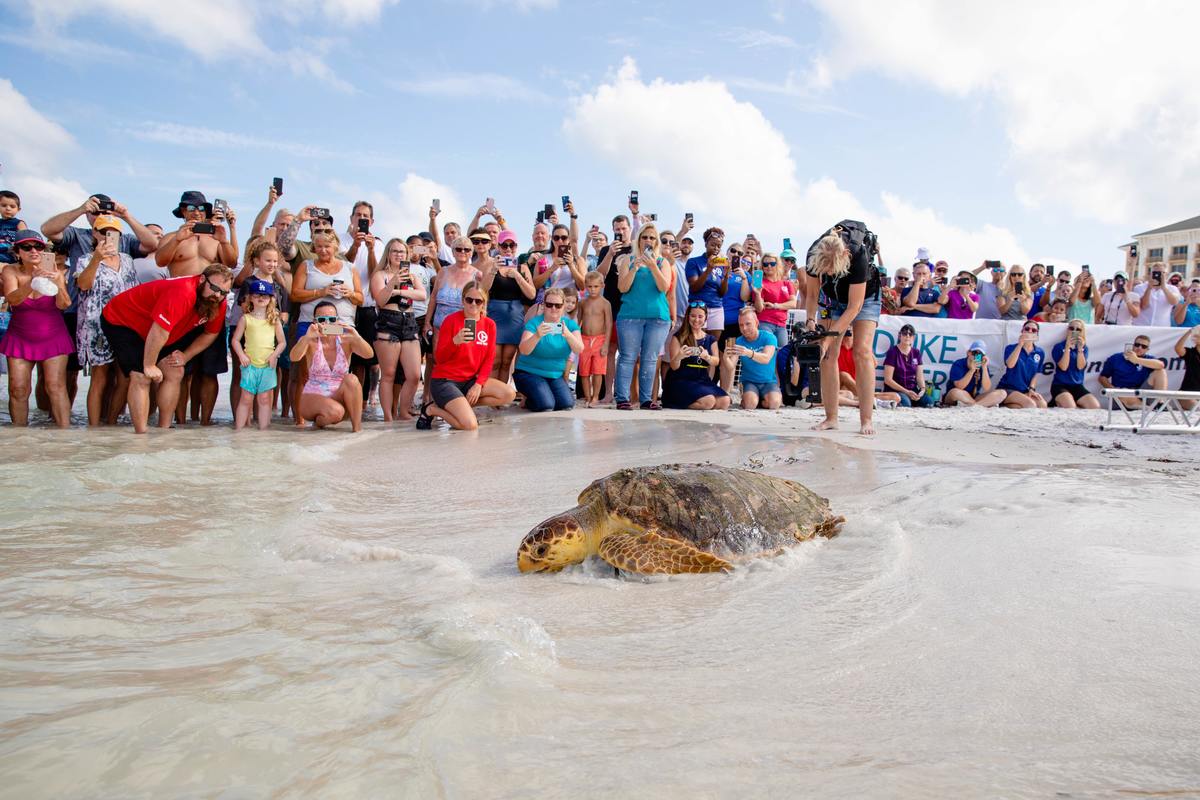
<point x="202" y="240"/>
<point x="1132" y="368"/>
<point x="79" y="243"/>
<point x="1156" y="298"/>
<point x="1119" y="306"/>
<point x="363" y="255"/>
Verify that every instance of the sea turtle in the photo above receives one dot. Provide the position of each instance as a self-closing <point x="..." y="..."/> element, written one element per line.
<point x="678" y="518"/>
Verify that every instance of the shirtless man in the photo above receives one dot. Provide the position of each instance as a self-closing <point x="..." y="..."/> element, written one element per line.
<point x="186" y="252"/>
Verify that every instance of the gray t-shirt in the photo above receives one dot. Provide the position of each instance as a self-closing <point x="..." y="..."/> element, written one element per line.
<point x="988" y="292"/>
<point x="425" y="275"/>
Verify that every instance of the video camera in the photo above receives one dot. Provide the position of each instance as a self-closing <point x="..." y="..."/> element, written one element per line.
<point x="806" y="352"/>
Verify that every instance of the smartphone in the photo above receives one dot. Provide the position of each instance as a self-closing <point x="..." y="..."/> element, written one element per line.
<point x="113" y="237"/>
<point x="1085" y="268"/>
<point x="978" y="359"/>
<point x="337" y="281"/>
<point x="557" y="327"/>
<point x="220" y="207"/>
<point x="1020" y="287"/>
<point x="963" y="282"/>
<point x="756" y="278"/>
<point x="278" y="184"/>
<point x="654" y="217"/>
<point x="548" y="210"/>
<point x="566" y="198"/>
<point x="328" y="329"/>
<point x="688" y="216"/>
<point x="1156" y="277"/>
<point x="437" y="204"/>
<point x="420" y="250"/>
<point x="469" y="326"/>
<point x="993" y="265"/>
<point x="204" y="227"/>
<point x="633" y="197"/>
<point x="364" y="225"/>
<point x="490" y="205"/>
<point x="321" y="213"/>
<point x="595" y="229"/>
<point x="1128" y="347"/>
<point x="541" y="216"/>
<point x="617" y="237"/>
<point x="787" y="243"/>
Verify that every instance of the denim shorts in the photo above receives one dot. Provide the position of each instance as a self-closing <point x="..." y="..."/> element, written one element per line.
<point x="760" y="389"/>
<point x="871" y="309"/>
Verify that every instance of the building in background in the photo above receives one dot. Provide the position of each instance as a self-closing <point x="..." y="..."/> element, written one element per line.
<point x="1175" y="247"/>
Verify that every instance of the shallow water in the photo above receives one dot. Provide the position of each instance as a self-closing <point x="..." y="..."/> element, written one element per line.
<point x="199" y="614"/>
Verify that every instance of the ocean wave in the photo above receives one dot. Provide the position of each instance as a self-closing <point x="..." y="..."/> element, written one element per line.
<point x="316" y="547"/>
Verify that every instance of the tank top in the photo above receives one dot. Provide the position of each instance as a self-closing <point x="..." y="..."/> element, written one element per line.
<point x="505" y="289"/>
<point x="318" y="280"/>
<point x="260" y="340"/>
<point x="1080" y="310"/>
<point x="449" y="298"/>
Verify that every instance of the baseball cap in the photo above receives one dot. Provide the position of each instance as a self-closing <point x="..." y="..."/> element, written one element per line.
<point x="1120" y="274"/>
<point x="106" y="221"/>
<point x="425" y="236"/>
<point x="259" y="286"/>
<point x="978" y="346"/>
<point x="506" y="236"/>
<point x="28" y="235"/>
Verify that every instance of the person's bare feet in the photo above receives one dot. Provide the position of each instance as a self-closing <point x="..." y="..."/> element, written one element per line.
<point x="826" y="425"/>
<point x="406" y="418"/>
<point x="867" y="429"/>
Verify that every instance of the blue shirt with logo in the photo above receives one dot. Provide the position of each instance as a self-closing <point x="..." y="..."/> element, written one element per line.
<point x="927" y="295"/>
<point x="753" y="371"/>
<point x="958" y="371"/>
<point x="1073" y="375"/>
<point x="710" y="292"/>
<point x="1021" y="375"/>
<point x="1123" y="373"/>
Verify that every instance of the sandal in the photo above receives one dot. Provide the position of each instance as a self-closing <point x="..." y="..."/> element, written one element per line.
<point x="424" y="421"/>
<point x="655" y="405"/>
<point x="624" y="405"/>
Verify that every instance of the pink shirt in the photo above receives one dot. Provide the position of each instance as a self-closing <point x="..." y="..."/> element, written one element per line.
<point x="775" y="292"/>
<point x="957" y="308"/>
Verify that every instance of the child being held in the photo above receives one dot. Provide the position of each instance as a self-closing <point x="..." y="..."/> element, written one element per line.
<point x="10" y="206"/>
<point x="265" y="341"/>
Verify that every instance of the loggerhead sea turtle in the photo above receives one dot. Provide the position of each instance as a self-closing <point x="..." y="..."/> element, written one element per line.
<point x="678" y="518"/>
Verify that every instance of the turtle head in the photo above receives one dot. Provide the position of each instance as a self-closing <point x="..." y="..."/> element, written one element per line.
<point x="553" y="544"/>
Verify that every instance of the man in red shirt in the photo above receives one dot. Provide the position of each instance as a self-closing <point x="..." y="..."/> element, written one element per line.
<point x="156" y="328"/>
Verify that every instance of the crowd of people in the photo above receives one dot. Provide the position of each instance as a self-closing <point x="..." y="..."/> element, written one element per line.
<point x="441" y="322"/>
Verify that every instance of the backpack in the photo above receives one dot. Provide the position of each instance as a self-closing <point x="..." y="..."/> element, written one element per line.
<point x="857" y="236"/>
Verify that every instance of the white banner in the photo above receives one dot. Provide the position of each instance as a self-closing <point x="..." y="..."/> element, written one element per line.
<point x="944" y="341"/>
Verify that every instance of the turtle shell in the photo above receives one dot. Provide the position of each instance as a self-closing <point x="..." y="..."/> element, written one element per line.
<point x="720" y="510"/>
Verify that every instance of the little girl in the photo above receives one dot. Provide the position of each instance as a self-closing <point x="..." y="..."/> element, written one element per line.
<point x="262" y="263"/>
<point x="265" y="340"/>
<point x="570" y="306"/>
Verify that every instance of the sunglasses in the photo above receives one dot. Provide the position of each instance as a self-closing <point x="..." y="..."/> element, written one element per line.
<point x="212" y="287"/>
<point x="560" y="238"/>
<point x="1029" y="329"/>
<point x="462" y="249"/>
<point x="553" y="305"/>
<point x="908" y="333"/>
<point x="325" y="320"/>
<point x="902" y="279"/>
<point x="27" y="246"/>
<point x="665" y="240"/>
<point x="941" y="270"/>
<point x="509" y="246"/>
<point x="475" y="301"/>
<point x="1073" y="328"/>
<point x="194" y="208"/>
<point x="770" y="263"/>
<point x="1016" y="274"/>
<point x="1140" y="346"/>
<point x="736" y="252"/>
<point x="480" y="241"/>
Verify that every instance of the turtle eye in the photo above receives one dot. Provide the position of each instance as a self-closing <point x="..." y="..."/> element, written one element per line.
<point x="541" y="551"/>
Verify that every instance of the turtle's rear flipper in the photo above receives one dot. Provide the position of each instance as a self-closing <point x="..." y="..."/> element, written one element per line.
<point x="650" y="553"/>
<point x="829" y="528"/>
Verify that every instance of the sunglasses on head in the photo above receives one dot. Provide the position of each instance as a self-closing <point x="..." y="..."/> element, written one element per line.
<point x="475" y="301"/>
<point x="696" y="304"/>
<point x="325" y="320"/>
<point x="212" y="287"/>
<point x="553" y="305"/>
<point x="462" y="249"/>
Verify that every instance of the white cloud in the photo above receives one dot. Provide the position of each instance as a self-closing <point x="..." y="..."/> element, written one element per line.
<point x="405" y="210"/>
<point x="737" y="171"/>
<point x="201" y="138"/>
<point x="1098" y="101"/>
<point x="484" y="84"/>
<point x="754" y="38"/>
<point x="31" y="150"/>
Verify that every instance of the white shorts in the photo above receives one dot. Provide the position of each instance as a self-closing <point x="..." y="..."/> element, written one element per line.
<point x="716" y="319"/>
<point x="664" y="355"/>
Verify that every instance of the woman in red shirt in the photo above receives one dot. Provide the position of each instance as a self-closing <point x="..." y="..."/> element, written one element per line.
<point x="461" y="379"/>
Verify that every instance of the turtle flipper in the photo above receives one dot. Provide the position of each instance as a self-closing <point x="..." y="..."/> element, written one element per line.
<point x="651" y="553"/>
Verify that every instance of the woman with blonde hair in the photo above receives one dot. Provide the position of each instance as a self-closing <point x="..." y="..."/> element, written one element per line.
<point x="841" y="271"/>
<point x="395" y="288"/>
<point x="643" y="277"/>
<point x="1015" y="297"/>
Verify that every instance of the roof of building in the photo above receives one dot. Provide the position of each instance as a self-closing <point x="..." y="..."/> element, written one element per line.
<point x="1185" y="225"/>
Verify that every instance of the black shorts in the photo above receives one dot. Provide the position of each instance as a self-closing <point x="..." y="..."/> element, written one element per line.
<point x="364" y="323"/>
<point x="72" y="320"/>
<point x="396" y="326"/>
<point x="212" y="360"/>
<point x="442" y="390"/>
<point x="1076" y="390"/>
<point x="427" y="341"/>
<point x="129" y="348"/>
<point x="730" y="334"/>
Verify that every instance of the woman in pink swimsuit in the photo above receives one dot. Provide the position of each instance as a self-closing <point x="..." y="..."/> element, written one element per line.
<point x="330" y="394"/>
<point x="37" y="333"/>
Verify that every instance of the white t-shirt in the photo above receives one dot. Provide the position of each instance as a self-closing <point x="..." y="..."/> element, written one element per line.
<point x="1158" y="312"/>
<point x="425" y="274"/>
<point x="1114" y="308"/>
<point x="360" y="266"/>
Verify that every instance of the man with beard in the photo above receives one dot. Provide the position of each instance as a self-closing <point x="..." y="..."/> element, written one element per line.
<point x="200" y="241"/>
<point x="156" y="328"/>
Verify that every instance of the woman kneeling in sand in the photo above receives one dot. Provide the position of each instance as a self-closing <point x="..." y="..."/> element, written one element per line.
<point x="330" y="394"/>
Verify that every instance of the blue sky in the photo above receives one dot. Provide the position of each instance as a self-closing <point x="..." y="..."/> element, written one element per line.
<point x="1028" y="132"/>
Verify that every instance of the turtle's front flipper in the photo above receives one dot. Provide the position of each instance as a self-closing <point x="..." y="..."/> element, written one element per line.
<point x="650" y="553"/>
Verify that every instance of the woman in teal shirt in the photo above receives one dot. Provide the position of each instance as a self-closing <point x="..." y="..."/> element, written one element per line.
<point x="645" y="318"/>
<point x="547" y="342"/>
